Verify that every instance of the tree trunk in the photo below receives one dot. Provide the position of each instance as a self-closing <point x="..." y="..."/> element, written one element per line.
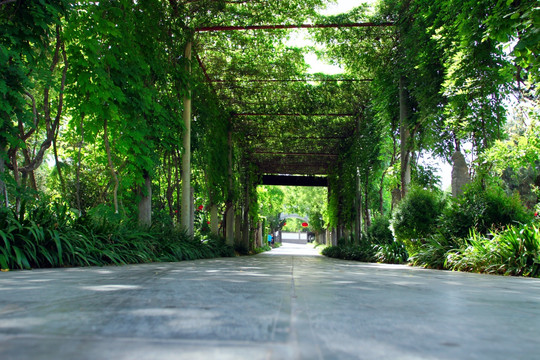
<point x="145" y="204"/>
<point x="111" y="167"/>
<point x="170" y="190"/>
<point x="57" y="162"/>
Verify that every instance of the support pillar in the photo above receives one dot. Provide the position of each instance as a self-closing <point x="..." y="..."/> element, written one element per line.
<point x="191" y="210"/>
<point x="229" y="225"/>
<point x="404" y="135"/>
<point x="358" y="209"/>
<point x="229" y="215"/>
<point x="237" y="230"/>
<point x="4" y="200"/>
<point x="214" y="226"/>
<point x="245" y="222"/>
<point x="187" y="203"/>
<point x="260" y="234"/>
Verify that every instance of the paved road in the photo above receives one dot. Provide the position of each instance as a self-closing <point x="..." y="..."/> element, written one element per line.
<point x="285" y="304"/>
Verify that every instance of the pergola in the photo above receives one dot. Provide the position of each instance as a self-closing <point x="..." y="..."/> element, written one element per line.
<point x="283" y="137"/>
<point x="288" y="125"/>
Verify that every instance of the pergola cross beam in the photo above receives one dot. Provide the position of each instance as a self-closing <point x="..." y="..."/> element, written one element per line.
<point x="300" y="26"/>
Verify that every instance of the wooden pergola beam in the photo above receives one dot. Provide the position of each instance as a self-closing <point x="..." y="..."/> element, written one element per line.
<point x="301" y="26"/>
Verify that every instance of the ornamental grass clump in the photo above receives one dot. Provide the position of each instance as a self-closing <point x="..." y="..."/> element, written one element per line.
<point x="50" y="235"/>
<point x="513" y="251"/>
<point x="433" y="252"/>
<point x="393" y="253"/>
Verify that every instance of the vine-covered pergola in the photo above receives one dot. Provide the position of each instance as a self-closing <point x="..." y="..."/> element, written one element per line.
<point x="286" y="121"/>
<point x="290" y="128"/>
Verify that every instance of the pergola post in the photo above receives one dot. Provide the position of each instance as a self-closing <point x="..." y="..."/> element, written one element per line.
<point x="237" y="230"/>
<point x="404" y="135"/>
<point x="214" y="219"/>
<point x="186" y="218"/>
<point x="358" y="209"/>
<point x="229" y="212"/>
<point x="246" y="219"/>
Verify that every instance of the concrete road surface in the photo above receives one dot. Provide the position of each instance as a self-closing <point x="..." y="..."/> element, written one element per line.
<point x="289" y="303"/>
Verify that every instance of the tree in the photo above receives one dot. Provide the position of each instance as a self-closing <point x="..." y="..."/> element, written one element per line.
<point x="33" y="70"/>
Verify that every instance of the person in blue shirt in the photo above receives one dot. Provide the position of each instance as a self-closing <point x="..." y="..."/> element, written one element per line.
<point x="270" y="238"/>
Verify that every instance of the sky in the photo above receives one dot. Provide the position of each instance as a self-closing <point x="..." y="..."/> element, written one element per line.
<point x="339" y="7"/>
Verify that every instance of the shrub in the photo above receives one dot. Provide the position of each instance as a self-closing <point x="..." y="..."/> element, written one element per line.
<point x="394" y="253"/>
<point x="379" y="231"/>
<point x="482" y="209"/>
<point x="332" y="251"/>
<point x="520" y="247"/>
<point x="433" y="252"/>
<point x="514" y="251"/>
<point x="363" y="252"/>
<point x="416" y="216"/>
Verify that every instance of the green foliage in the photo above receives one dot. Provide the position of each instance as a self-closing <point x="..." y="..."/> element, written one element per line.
<point x="517" y="159"/>
<point x="517" y="23"/>
<point x="434" y="251"/>
<point x="364" y="252"/>
<point x="52" y="236"/>
<point x="514" y="251"/>
<point x="262" y="249"/>
<point x="379" y="231"/>
<point x="392" y="253"/>
<point x="26" y="29"/>
<point x="425" y="176"/>
<point x="416" y="215"/>
<point x="303" y="201"/>
<point x="482" y="208"/>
